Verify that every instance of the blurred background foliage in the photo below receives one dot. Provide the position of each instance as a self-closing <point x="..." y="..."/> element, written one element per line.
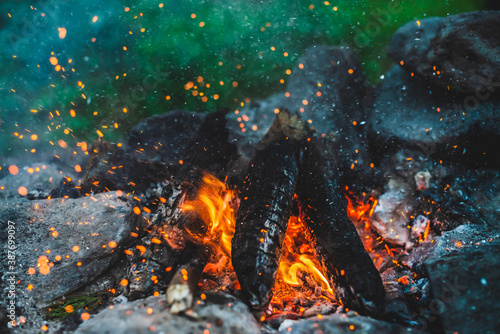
<point x="72" y="71"/>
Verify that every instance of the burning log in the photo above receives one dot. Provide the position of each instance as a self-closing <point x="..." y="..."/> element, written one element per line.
<point x="183" y="285"/>
<point x="337" y="243"/>
<point x="172" y="230"/>
<point x="265" y="208"/>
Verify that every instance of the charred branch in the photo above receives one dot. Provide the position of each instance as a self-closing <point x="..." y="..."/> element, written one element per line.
<point x="337" y="242"/>
<point x="266" y="205"/>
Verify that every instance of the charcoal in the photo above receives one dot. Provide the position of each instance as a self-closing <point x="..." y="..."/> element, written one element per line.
<point x="448" y="210"/>
<point x="66" y="189"/>
<point x="338" y="245"/>
<point x="164" y="138"/>
<point x="454" y="53"/>
<point x="330" y="90"/>
<point x="209" y="150"/>
<point x="114" y="168"/>
<point x="266" y="205"/>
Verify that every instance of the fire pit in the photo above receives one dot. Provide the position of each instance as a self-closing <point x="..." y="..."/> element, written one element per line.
<point x="333" y="206"/>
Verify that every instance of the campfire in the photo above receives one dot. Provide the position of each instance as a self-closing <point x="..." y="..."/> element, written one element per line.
<point x="274" y="243"/>
<point x="332" y="205"/>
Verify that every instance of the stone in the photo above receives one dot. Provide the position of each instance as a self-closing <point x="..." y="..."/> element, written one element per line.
<point x="218" y="313"/>
<point x="164" y="138"/>
<point x="62" y="245"/>
<point x="409" y="113"/>
<point x="465" y="288"/>
<point x="341" y="323"/>
<point x="39" y="179"/>
<point x="458" y="53"/>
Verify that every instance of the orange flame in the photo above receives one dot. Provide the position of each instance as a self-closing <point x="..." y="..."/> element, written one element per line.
<point x="299" y="257"/>
<point x="215" y="205"/>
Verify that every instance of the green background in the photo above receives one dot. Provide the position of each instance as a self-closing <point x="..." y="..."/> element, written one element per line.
<point x="166" y="48"/>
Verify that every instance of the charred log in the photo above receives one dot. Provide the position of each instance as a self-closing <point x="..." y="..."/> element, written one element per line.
<point x="337" y="242"/>
<point x="209" y="150"/>
<point x="112" y="168"/>
<point x="266" y="204"/>
<point x="173" y="229"/>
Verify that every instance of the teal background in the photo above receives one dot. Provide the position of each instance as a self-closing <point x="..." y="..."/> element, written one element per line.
<point x="166" y="49"/>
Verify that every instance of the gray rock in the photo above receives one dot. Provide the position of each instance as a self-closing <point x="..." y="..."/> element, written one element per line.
<point x="466" y="289"/>
<point x="341" y="323"/>
<point x="458" y="53"/>
<point x="47" y="232"/>
<point x="463" y="237"/>
<point x="218" y="314"/>
<point x="38" y="179"/>
<point x="409" y="113"/>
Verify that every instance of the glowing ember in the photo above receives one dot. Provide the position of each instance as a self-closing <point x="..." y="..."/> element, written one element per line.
<point x="43" y="265"/>
<point x="300" y="276"/>
<point x="299" y="270"/>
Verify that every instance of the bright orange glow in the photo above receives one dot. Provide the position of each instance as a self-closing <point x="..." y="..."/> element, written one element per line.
<point x="78" y="169"/>
<point x="13" y="169"/>
<point x="62" y="143"/>
<point x="53" y="61"/>
<point x="85" y="316"/>
<point x="62" y="33"/>
<point x="31" y="271"/>
<point x="43" y="265"/>
<point x="69" y="308"/>
<point x="22" y="191"/>
<point x="75" y="249"/>
<point x="124" y="282"/>
<point x="298" y="262"/>
<point x="214" y="205"/>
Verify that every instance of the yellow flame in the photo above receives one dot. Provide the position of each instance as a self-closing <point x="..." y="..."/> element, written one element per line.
<point x="214" y="205"/>
<point x="298" y="256"/>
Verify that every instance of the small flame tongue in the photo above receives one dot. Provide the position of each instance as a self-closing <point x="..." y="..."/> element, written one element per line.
<point x="298" y="258"/>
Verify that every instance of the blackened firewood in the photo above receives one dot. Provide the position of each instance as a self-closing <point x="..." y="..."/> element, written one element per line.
<point x="210" y="149"/>
<point x="266" y="204"/>
<point x="337" y="242"/>
<point x="183" y="286"/>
